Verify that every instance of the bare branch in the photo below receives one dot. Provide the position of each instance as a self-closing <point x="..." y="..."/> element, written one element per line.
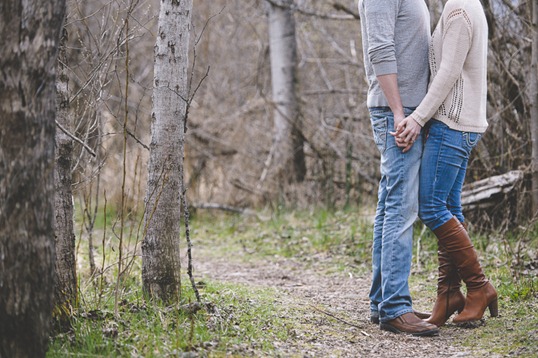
<point x="320" y="15"/>
<point x="76" y="139"/>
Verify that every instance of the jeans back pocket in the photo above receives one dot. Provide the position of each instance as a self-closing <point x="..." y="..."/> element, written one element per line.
<point x="380" y="129"/>
<point x="471" y="139"/>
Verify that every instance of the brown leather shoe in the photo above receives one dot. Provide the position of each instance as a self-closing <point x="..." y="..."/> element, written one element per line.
<point x="411" y="324"/>
<point x="422" y="315"/>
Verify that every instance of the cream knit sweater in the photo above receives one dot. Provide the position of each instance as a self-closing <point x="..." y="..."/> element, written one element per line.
<point x="458" y="65"/>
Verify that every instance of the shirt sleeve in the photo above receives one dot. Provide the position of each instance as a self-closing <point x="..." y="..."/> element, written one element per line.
<point x="456" y="42"/>
<point x="380" y="17"/>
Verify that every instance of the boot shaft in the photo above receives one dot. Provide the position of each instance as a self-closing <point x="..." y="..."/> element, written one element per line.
<point x="449" y="279"/>
<point x="454" y="240"/>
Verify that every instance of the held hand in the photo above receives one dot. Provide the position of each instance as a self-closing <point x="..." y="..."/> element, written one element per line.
<point x="407" y="131"/>
<point x="398" y="119"/>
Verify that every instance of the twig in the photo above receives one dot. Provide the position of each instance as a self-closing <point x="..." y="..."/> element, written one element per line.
<point x="136" y="139"/>
<point x="124" y="163"/>
<point x="193" y="94"/>
<point x="335" y="317"/>
<point x="76" y="139"/>
<point x="188" y="238"/>
<point x="293" y="7"/>
<point x="186" y="214"/>
<point x="347" y="10"/>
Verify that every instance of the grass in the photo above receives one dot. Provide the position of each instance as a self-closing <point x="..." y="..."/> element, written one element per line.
<point x="342" y="239"/>
<point x="249" y="321"/>
<point x="238" y="319"/>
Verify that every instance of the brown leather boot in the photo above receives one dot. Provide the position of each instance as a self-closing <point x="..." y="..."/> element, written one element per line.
<point x="454" y="239"/>
<point x="449" y="297"/>
<point x="409" y="323"/>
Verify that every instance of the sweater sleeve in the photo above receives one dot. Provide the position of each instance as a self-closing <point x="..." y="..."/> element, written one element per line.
<point x="380" y="19"/>
<point x="456" y="42"/>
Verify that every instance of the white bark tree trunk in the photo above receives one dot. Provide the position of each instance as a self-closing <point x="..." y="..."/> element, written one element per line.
<point x="288" y="162"/>
<point x="160" y="249"/>
<point x="29" y="38"/>
<point x="65" y="292"/>
<point x="534" y="106"/>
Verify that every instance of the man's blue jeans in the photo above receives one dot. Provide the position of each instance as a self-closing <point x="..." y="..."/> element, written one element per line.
<point x="444" y="164"/>
<point x="397" y="209"/>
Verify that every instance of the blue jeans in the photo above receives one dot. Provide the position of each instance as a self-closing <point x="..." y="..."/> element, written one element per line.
<point x="397" y="209"/>
<point x="444" y="163"/>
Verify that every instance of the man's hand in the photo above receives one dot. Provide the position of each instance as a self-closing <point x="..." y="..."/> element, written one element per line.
<point x="406" y="132"/>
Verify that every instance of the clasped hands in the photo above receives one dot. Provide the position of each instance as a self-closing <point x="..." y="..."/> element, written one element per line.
<point x="406" y="132"/>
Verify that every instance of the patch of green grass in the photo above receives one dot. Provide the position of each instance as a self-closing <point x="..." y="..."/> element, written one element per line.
<point x="238" y="320"/>
<point x="343" y="238"/>
<point x="514" y="333"/>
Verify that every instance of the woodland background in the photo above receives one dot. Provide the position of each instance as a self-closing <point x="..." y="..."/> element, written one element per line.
<point x="230" y="126"/>
<point x="233" y="160"/>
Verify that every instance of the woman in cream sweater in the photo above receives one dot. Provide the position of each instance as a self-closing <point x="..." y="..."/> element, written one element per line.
<point x="454" y="111"/>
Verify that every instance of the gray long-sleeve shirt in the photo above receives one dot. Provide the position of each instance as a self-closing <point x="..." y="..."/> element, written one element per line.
<point x="395" y="39"/>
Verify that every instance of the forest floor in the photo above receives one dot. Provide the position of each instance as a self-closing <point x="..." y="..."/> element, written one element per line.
<point x="327" y="302"/>
<point x="335" y="312"/>
<point x="292" y="284"/>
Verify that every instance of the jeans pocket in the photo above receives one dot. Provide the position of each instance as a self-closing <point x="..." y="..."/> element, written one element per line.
<point x="380" y="129"/>
<point x="470" y="140"/>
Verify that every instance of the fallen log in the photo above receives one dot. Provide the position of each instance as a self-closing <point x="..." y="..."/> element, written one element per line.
<point x="488" y="192"/>
<point x="223" y="207"/>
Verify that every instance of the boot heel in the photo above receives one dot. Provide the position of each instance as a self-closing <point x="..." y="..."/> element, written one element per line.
<point x="494" y="308"/>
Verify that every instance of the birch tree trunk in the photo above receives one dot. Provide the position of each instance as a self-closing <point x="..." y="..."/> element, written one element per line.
<point x="287" y="149"/>
<point x="160" y="248"/>
<point x="29" y="36"/>
<point x="534" y="106"/>
<point x="65" y="292"/>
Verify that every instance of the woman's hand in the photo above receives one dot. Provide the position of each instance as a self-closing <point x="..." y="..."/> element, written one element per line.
<point x="407" y="131"/>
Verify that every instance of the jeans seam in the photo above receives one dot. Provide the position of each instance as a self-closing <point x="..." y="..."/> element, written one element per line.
<point x="438" y="161"/>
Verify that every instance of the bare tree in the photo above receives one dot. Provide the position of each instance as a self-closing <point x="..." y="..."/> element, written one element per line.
<point x="65" y="291"/>
<point x="160" y="248"/>
<point x="29" y="38"/>
<point x="534" y="105"/>
<point x="287" y="153"/>
<point x="224" y="162"/>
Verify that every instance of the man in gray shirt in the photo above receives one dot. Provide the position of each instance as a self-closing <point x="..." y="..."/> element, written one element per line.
<point x="395" y="39"/>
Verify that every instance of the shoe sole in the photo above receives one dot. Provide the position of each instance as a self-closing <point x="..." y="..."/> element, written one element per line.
<point x="428" y="333"/>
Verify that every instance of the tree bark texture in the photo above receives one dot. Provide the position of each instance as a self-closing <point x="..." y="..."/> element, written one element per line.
<point x="29" y="37"/>
<point x="288" y="153"/>
<point x="534" y="107"/>
<point x="65" y="292"/>
<point x="160" y="248"/>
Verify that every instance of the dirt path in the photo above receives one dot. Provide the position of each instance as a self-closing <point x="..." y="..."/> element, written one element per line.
<point x="336" y="319"/>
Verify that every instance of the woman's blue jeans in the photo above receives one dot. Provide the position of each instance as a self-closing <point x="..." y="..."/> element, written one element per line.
<point x="397" y="209"/>
<point x="442" y="172"/>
